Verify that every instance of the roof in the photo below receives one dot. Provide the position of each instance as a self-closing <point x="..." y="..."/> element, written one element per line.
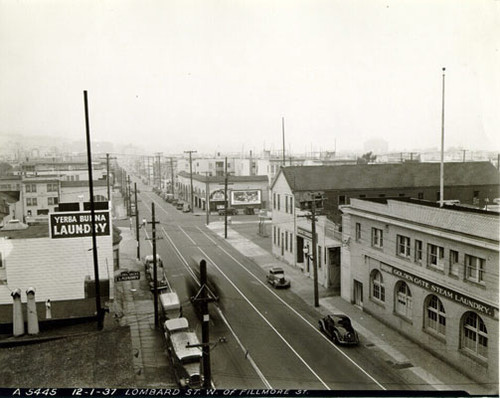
<point x="180" y="342"/>
<point x="459" y="219"/>
<point x="203" y="178"/>
<point x="33" y="231"/>
<point x="376" y="176"/>
<point x="175" y="324"/>
<point x="83" y="183"/>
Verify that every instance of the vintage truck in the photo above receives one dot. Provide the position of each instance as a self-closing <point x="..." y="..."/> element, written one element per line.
<point x="184" y="351"/>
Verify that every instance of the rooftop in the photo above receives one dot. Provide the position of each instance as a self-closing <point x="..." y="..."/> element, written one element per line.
<point x="404" y="175"/>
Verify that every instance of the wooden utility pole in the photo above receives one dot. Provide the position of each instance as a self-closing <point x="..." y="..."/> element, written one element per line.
<point x="441" y="173"/>
<point x="137" y="224"/>
<point x="172" y="175"/>
<point x="315" y="251"/>
<point x="129" y="201"/>
<point x="226" y="183"/>
<point x="99" y="310"/>
<point x="283" y="133"/>
<point x="191" y="177"/>
<point x="155" y="266"/>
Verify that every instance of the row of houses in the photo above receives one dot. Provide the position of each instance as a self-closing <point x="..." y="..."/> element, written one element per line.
<point x="385" y="244"/>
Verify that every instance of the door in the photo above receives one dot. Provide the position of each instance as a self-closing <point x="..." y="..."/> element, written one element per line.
<point x="358" y="293"/>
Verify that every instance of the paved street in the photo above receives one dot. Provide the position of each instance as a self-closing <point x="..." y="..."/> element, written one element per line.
<point x="414" y="369"/>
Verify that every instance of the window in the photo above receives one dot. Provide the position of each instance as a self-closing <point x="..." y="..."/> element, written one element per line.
<point x="435" y="316"/>
<point x="418" y="251"/>
<point x="279" y="233"/>
<point x="474" y="335"/>
<point x="52" y="201"/>
<point x="51" y="187"/>
<point x="377" y="238"/>
<point x="403" y="300"/>
<point x="1" y="260"/>
<point x="474" y="268"/>
<point x="291" y="242"/>
<point x="274" y="201"/>
<point x="454" y="264"/>
<point x="31" y="202"/>
<point x="319" y="256"/>
<point x="286" y="240"/>
<point x="378" y="288"/>
<point x="403" y="246"/>
<point x="358" y="231"/>
<point x="274" y="235"/>
<point x="278" y="200"/>
<point x="30" y="187"/>
<point x="435" y="255"/>
<point x="286" y="204"/>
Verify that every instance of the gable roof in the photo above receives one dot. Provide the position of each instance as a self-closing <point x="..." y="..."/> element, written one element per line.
<point x="376" y="176"/>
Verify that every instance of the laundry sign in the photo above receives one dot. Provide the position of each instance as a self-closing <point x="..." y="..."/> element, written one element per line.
<point x="78" y="224"/>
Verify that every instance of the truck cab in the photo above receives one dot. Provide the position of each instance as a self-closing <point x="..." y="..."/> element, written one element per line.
<point x="170" y="304"/>
<point x="184" y="351"/>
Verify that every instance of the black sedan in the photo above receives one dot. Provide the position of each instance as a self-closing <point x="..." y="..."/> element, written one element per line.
<point x="338" y="327"/>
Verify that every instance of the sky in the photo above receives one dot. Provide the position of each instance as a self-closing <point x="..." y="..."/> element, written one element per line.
<point x="210" y="75"/>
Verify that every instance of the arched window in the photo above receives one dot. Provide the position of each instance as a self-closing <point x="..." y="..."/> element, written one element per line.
<point x="100" y="198"/>
<point x="435" y="315"/>
<point x="404" y="303"/>
<point x="474" y="334"/>
<point x="378" y="288"/>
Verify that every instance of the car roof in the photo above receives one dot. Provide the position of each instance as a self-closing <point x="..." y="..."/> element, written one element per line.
<point x="277" y="269"/>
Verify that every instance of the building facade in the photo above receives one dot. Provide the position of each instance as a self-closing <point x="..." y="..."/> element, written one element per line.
<point x="56" y="259"/>
<point x="429" y="272"/>
<point x="470" y="183"/>
<point x="242" y="191"/>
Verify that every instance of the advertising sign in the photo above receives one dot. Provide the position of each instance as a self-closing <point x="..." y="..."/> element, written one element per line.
<point x="128" y="276"/>
<point x="444" y="292"/>
<point x="78" y="224"/>
<point x="247" y="197"/>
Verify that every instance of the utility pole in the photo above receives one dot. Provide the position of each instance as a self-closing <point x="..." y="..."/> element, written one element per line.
<point x="283" y="133"/>
<point x="172" y="175"/>
<point x="155" y="266"/>
<point x="315" y="252"/>
<point x="99" y="310"/>
<point x="207" y="196"/>
<point x="441" y="173"/>
<point x="226" y="183"/>
<point x="129" y="202"/>
<point x="158" y="156"/>
<point x="191" y="176"/>
<point x="313" y="207"/>
<point x="149" y="172"/>
<point x="137" y="224"/>
<point x="204" y="296"/>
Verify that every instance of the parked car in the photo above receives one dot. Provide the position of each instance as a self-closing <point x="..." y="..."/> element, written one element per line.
<point x="186" y="208"/>
<point x="276" y="277"/>
<point x="179" y="206"/>
<point x="230" y="211"/>
<point x="339" y="329"/>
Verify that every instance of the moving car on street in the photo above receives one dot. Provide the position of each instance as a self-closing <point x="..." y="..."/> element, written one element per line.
<point x="276" y="277"/>
<point x="339" y="329"/>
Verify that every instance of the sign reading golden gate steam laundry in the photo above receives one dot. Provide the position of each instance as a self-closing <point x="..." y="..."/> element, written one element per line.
<point x="79" y="224"/>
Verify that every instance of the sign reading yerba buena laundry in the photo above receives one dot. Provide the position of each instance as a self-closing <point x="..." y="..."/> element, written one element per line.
<point x="78" y="224"/>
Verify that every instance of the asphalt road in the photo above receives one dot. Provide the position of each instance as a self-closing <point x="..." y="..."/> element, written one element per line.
<point x="270" y="336"/>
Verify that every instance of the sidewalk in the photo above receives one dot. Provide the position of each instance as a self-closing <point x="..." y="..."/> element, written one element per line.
<point x="419" y="367"/>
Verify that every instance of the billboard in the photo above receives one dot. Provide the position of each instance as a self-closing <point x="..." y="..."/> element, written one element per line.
<point x="246" y="197"/>
<point x="78" y="224"/>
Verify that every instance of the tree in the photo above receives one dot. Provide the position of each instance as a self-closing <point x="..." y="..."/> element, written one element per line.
<point x="366" y="158"/>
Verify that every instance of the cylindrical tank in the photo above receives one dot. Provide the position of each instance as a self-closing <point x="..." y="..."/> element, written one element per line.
<point x="17" y="313"/>
<point x="32" y="314"/>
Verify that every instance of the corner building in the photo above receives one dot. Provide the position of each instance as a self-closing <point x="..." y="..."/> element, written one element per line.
<point x="429" y="272"/>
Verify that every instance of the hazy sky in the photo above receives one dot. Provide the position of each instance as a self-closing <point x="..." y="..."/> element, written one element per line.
<point x="214" y="74"/>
